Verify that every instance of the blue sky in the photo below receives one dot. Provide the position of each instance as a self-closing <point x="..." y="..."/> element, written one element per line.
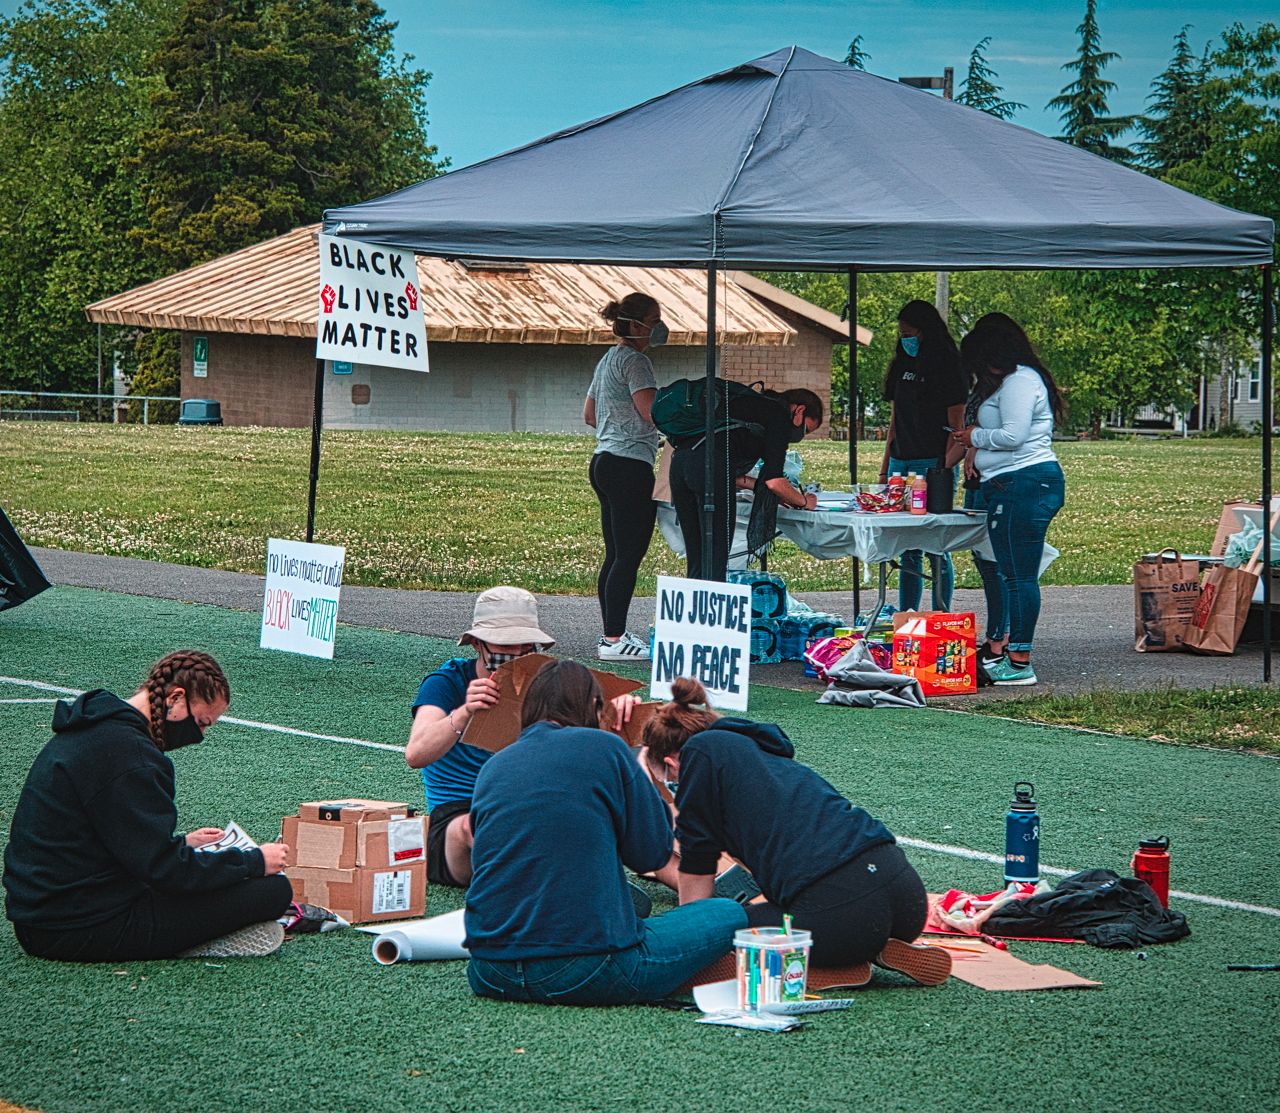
<point x="509" y="71"/>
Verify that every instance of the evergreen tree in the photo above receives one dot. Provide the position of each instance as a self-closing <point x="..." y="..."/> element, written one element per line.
<point x="272" y="111"/>
<point x="979" y="89"/>
<point x="857" y="57"/>
<point x="1177" y="128"/>
<point x="1086" y="120"/>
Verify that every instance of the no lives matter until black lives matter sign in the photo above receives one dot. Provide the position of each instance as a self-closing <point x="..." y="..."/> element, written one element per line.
<point x="702" y="630"/>
<point x="370" y="308"/>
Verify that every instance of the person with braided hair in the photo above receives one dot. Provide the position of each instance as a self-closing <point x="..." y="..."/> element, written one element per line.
<point x="94" y="871"/>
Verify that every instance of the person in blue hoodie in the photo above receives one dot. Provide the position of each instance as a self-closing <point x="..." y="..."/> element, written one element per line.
<point x="94" y="871"/>
<point x="555" y="817"/>
<point x="834" y="868"/>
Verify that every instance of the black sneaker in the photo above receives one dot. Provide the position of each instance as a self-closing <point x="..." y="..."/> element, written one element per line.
<point x="737" y="884"/>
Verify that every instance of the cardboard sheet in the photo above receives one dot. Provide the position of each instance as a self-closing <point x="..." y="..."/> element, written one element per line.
<point x="994" y="969"/>
<point x="496" y="727"/>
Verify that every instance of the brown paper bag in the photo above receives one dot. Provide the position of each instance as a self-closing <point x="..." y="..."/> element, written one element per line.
<point x="1165" y="594"/>
<point x="1225" y="595"/>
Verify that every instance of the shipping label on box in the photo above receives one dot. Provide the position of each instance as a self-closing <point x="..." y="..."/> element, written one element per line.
<point x="364" y="894"/>
<point x="349" y="833"/>
<point x="940" y="651"/>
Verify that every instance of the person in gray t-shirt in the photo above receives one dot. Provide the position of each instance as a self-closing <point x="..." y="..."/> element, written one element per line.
<point x="617" y="407"/>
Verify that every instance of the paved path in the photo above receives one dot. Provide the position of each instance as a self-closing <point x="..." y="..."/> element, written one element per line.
<point x="1084" y="641"/>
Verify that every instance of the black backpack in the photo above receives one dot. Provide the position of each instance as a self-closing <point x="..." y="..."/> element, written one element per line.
<point x="680" y="413"/>
<point x="1098" y="906"/>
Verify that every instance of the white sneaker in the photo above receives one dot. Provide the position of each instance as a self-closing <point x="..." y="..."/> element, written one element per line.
<point x="253" y="941"/>
<point x="626" y="648"/>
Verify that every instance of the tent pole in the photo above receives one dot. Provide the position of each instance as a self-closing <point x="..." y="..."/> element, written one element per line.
<point x="709" y="394"/>
<point x="1268" y="419"/>
<point x="317" y="419"/>
<point x="854" y="413"/>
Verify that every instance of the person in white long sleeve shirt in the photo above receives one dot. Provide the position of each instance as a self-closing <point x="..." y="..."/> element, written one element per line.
<point x="1022" y="482"/>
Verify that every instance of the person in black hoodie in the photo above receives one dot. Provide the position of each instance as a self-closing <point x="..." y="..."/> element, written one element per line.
<point x="836" y="869"/>
<point x="94" y="871"/>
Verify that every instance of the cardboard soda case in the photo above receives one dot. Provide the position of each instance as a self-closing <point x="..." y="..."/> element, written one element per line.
<point x="364" y="859"/>
<point x="940" y="650"/>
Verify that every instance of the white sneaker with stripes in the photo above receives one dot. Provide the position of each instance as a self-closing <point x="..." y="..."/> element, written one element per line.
<point x="626" y="648"/>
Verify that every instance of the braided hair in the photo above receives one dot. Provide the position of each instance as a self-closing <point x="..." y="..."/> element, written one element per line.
<point x="194" y="672"/>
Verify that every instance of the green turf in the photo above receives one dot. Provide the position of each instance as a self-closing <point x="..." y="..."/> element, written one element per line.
<point x="320" y="1027"/>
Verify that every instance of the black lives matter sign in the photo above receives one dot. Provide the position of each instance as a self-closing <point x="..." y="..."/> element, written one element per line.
<point x="370" y="308"/>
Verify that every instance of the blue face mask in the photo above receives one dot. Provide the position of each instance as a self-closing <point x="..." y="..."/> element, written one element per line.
<point x="658" y="333"/>
<point x="671" y="787"/>
<point x="911" y="345"/>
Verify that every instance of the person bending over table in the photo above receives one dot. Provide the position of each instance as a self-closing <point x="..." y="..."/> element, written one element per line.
<point x="617" y="408"/>
<point x="555" y="818"/>
<point x="1022" y="481"/>
<point x="926" y="388"/>
<point x="836" y="869"/>
<point x="94" y="871"/>
<point x="764" y="426"/>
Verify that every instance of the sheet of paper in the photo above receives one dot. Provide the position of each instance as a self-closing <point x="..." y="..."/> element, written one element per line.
<point x="436" y="939"/>
<point x="722" y="997"/>
<point x="233" y="838"/>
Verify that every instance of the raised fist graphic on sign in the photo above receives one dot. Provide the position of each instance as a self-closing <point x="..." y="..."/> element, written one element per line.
<point x="327" y="295"/>
<point x="412" y="293"/>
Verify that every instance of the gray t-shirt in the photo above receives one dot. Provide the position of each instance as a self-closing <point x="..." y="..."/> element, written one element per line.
<point x="619" y="427"/>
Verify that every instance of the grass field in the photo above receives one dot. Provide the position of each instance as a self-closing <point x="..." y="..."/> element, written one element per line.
<point x="463" y="512"/>
<point x="320" y="1027"/>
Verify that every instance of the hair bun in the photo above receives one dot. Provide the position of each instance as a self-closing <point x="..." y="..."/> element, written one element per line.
<point x="687" y="692"/>
<point x="610" y="312"/>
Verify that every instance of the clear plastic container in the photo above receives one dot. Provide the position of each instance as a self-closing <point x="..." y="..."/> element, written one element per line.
<point x="773" y="967"/>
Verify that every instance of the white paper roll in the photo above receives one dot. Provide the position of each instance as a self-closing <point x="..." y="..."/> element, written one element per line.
<point x="422" y="940"/>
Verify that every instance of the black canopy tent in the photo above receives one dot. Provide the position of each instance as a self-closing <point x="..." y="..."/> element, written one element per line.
<point x="796" y="162"/>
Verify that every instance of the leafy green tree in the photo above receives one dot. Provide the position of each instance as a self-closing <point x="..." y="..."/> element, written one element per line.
<point x="1086" y="120"/>
<point x="979" y="89"/>
<point x="857" y="57"/>
<point x="270" y="113"/>
<point x="1177" y="125"/>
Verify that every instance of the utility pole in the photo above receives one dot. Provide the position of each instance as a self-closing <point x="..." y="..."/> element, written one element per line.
<point x="942" y="289"/>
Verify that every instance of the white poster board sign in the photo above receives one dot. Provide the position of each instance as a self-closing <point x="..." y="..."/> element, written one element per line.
<point x="300" y="606"/>
<point x="702" y="630"/>
<point x="370" y="310"/>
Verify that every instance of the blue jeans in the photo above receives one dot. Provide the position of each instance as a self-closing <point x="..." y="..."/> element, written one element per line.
<point x="1020" y="506"/>
<point x="676" y="945"/>
<point x="910" y="579"/>
<point x="993" y="586"/>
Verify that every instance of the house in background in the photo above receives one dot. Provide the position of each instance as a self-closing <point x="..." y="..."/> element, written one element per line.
<point x="511" y="346"/>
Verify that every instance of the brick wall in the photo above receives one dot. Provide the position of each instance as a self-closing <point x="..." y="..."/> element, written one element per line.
<point x="260" y="380"/>
<point x="536" y="388"/>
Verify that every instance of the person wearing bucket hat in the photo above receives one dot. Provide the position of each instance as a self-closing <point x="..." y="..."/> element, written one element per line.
<point x="504" y="626"/>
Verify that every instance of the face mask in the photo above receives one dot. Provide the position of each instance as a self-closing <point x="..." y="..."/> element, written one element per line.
<point x="182" y="732"/>
<point x="658" y="333"/>
<point x="911" y="345"/>
<point x="671" y="787"/>
<point x="798" y="432"/>
<point x="493" y="660"/>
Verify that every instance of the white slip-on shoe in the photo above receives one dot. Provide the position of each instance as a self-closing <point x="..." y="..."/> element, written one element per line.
<point x="253" y="941"/>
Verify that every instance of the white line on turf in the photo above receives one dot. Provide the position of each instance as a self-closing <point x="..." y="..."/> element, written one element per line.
<point x="919" y="844"/>
<point x="50" y="699"/>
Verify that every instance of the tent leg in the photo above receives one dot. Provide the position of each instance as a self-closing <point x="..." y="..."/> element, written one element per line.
<point x="854" y="413"/>
<point x="709" y="396"/>
<point x="317" y="419"/>
<point x="1268" y="419"/>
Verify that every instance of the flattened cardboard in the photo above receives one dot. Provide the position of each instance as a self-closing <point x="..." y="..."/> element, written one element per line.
<point x="497" y="727"/>
<point x="1000" y="970"/>
<point x="633" y="731"/>
<point x="351" y="892"/>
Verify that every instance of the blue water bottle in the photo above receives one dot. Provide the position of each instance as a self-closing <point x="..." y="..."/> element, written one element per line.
<point x="1022" y="836"/>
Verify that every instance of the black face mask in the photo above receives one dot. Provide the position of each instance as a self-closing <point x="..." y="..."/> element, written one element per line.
<point x="798" y="432"/>
<point x="182" y="732"/>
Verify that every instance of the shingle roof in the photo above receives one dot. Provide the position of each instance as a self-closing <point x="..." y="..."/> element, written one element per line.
<point x="269" y="289"/>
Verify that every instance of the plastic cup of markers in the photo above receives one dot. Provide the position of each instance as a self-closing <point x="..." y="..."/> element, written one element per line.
<point x="773" y="967"/>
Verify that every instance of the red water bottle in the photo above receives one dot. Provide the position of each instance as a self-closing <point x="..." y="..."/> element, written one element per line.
<point x="1151" y="864"/>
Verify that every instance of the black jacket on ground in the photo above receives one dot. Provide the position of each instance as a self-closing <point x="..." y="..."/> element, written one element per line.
<point x="1098" y="906"/>
<point x="95" y="825"/>
<point x="741" y="792"/>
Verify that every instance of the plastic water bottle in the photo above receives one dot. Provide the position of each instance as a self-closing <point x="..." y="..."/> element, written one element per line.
<point x="1022" y="835"/>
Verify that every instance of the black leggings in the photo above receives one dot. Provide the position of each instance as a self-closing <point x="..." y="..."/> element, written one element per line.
<point x="627" y="512"/>
<point x="688" y="481"/>
<point x="851" y="913"/>
<point x="157" y="925"/>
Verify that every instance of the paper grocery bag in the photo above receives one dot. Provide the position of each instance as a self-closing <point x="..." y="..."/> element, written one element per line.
<point x="1219" y="617"/>
<point x="1165" y="594"/>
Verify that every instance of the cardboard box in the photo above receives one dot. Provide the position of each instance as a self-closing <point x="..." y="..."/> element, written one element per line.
<point x="347" y="834"/>
<point x="366" y="894"/>
<point x="496" y="727"/>
<point x="939" y="650"/>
